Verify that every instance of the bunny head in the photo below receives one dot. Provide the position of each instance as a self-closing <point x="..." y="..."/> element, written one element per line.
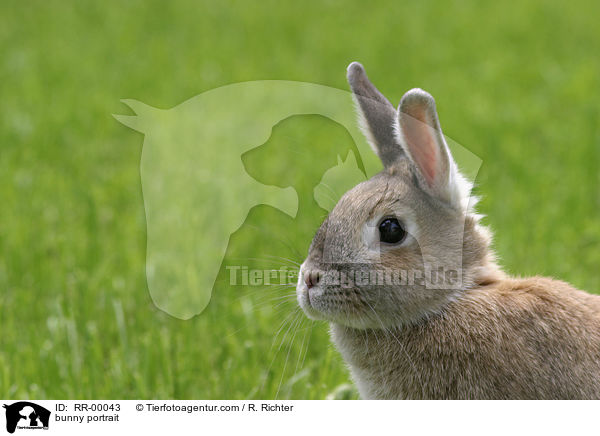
<point x="398" y="247"/>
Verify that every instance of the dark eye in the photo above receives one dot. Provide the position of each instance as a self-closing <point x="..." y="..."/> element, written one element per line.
<point x="391" y="231"/>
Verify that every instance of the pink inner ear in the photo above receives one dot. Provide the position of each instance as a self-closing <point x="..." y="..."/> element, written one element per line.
<point x="421" y="143"/>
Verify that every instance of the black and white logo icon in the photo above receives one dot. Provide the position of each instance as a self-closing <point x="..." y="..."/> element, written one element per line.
<point x="26" y="415"/>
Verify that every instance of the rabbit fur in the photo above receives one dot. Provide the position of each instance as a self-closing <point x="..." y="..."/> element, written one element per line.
<point x="479" y="334"/>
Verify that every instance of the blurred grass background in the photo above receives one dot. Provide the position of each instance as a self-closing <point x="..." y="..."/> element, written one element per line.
<point x="516" y="84"/>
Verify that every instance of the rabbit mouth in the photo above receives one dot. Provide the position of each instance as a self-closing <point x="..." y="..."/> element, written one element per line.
<point x="326" y="304"/>
<point x="317" y="305"/>
<point x="312" y="295"/>
<point x="306" y="297"/>
<point x="326" y="300"/>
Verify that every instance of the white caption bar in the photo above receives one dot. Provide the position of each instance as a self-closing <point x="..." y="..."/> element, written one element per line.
<point x="24" y="417"/>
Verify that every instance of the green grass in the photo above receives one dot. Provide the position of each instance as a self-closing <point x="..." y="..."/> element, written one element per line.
<point x="517" y="85"/>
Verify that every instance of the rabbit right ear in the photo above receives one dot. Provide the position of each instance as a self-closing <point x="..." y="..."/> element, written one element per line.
<point x="377" y="116"/>
<point x="420" y="134"/>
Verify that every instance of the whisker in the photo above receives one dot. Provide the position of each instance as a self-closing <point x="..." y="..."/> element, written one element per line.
<point x="308" y="343"/>
<point x="284" y="258"/>
<point x="290" y="262"/>
<point x="287" y="243"/>
<point x="285" y="321"/>
<point x="287" y="357"/>
<point x="306" y="332"/>
<point x="266" y="374"/>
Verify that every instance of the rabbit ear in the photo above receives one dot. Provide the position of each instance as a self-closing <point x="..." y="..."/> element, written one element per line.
<point x="420" y="134"/>
<point x="377" y="115"/>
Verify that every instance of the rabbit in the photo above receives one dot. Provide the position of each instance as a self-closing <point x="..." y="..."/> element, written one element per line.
<point x="480" y="334"/>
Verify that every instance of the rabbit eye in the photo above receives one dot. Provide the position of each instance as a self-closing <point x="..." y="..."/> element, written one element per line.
<point x="391" y="231"/>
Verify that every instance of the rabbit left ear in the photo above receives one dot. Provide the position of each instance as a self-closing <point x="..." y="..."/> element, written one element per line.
<point x="420" y="134"/>
<point x="377" y="116"/>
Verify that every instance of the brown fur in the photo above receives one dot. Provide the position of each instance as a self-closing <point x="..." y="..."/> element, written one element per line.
<point x="530" y="338"/>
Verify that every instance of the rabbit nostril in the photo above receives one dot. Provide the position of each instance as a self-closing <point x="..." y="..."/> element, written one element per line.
<point x="311" y="279"/>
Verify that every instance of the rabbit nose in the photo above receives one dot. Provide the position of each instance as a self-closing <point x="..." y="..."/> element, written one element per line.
<point x="312" y="278"/>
